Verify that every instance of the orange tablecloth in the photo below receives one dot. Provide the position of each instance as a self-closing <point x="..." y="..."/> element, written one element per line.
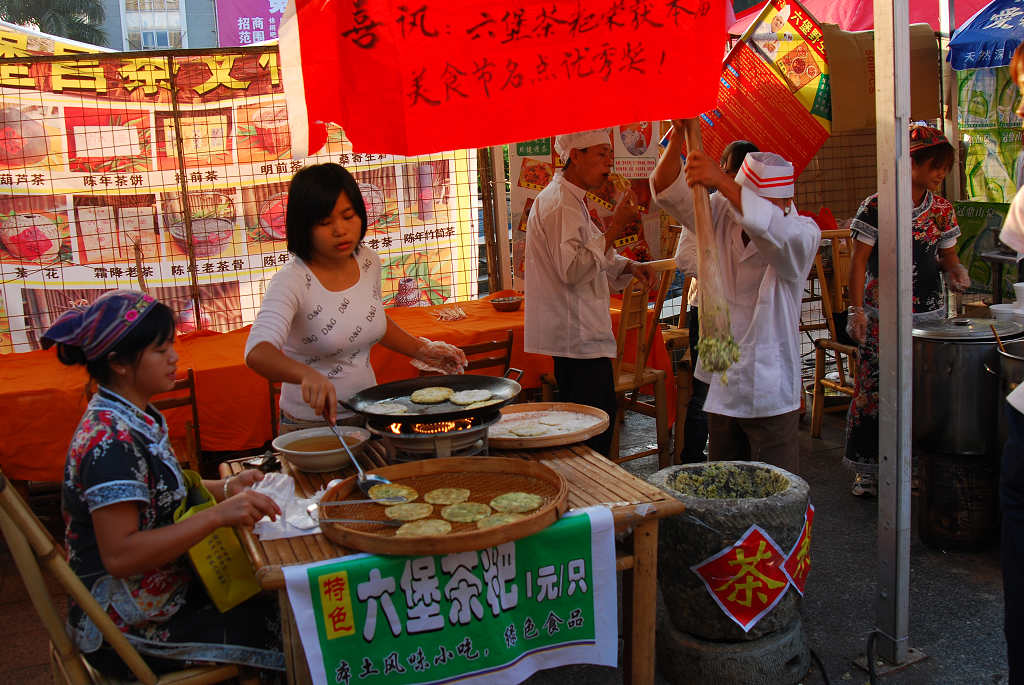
<point x="41" y="400"/>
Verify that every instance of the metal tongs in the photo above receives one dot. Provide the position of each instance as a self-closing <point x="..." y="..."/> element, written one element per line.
<point x="314" y="513"/>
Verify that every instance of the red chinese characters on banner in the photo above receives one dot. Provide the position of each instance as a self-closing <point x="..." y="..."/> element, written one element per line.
<point x="746" y="580"/>
<point x="336" y="603"/>
<point x="412" y="78"/>
<point x="798" y="563"/>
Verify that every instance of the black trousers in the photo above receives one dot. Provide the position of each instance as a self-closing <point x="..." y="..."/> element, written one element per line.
<point x="695" y="430"/>
<point x="1011" y="495"/>
<point x="589" y="382"/>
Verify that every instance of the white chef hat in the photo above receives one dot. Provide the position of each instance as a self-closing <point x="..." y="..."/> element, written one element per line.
<point x="767" y="174"/>
<point x="577" y="141"/>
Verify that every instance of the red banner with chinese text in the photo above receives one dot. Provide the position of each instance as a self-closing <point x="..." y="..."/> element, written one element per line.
<point x="404" y="79"/>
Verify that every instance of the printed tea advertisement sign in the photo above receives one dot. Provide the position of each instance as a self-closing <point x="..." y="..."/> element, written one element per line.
<point x="489" y="616"/>
<point x="775" y="88"/>
<point x="96" y="189"/>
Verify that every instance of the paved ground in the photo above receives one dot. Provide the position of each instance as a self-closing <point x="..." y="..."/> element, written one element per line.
<point x="955" y="598"/>
<point x="956" y="606"/>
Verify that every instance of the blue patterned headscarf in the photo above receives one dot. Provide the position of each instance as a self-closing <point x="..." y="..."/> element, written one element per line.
<point x="98" y="327"/>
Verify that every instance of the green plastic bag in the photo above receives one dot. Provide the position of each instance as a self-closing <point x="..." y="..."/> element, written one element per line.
<point x="219" y="560"/>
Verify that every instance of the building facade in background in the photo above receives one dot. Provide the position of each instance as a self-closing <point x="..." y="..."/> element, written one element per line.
<point x="160" y="24"/>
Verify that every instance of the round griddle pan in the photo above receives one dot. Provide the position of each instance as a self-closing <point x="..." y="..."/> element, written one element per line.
<point x="503" y="389"/>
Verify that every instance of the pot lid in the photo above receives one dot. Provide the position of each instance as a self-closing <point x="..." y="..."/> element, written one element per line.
<point x="965" y="328"/>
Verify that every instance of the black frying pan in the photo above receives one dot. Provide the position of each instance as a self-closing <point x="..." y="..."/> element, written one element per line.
<point x="363" y="402"/>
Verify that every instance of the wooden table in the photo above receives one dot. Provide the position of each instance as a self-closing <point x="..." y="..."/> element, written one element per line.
<point x="42" y="400"/>
<point x="592" y="480"/>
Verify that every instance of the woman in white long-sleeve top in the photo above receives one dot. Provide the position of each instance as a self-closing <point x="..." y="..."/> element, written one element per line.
<point x="765" y="251"/>
<point x="323" y="311"/>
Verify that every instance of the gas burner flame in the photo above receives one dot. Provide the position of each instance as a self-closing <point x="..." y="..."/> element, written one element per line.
<point x="436" y="428"/>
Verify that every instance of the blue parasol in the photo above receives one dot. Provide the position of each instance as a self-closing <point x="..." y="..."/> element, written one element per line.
<point x="989" y="38"/>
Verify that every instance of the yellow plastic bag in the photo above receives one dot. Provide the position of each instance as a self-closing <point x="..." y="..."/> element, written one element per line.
<point x="219" y="560"/>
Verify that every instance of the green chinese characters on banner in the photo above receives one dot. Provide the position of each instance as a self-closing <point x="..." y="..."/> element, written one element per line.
<point x="534" y="148"/>
<point x="980" y="223"/>
<point x="822" y="105"/>
<point x="416" y="619"/>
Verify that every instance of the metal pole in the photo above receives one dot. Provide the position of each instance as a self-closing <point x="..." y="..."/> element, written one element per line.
<point x="892" y="114"/>
<point x="185" y="203"/>
<point x="950" y="94"/>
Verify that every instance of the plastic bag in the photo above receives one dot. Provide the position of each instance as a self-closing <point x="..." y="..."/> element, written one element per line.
<point x="717" y="349"/>
<point x="219" y="560"/>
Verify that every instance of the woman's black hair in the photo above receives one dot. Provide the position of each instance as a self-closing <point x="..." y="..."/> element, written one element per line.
<point x="156" y="326"/>
<point x="733" y="154"/>
<point x="937" y="156"/>
<point x="312" y="195"/>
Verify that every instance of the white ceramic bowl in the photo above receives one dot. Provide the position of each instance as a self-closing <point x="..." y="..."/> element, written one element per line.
<point x="1007" y="312"/>
<point x="1018" y="288"/>
<point x="326" y="460"/>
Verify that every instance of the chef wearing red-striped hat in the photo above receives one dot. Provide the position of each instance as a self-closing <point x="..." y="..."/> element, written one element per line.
<point x="765" y="253"/>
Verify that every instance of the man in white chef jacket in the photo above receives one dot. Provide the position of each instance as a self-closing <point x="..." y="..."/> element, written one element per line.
<point x="568" y="268"/>
<point x="765" y="252"/>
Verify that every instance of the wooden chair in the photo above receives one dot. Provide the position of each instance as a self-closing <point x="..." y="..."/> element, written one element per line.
<point x="677" y="339"/>
<point x="492" y="354"/>
<point x="834" y="299"/>
<point x="677" y="335"/>
<point x="183" y="394"/>
<point x="637" y="324"/>
<point x="34" y="551"/>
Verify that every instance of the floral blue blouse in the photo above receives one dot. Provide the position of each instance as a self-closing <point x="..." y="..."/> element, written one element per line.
<point x="120" y="453"/>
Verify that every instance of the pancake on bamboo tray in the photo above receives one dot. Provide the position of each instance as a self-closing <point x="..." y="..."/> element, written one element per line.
<point x="484" y="477"/>
<point x="545" y="424"/>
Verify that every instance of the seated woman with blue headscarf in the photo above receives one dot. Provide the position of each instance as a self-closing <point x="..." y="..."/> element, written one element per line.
<point x="122" y="485"/>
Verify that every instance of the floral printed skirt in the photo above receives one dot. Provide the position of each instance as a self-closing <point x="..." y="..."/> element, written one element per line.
<point x="862" y="417"/>
<point x="247" y="635"/>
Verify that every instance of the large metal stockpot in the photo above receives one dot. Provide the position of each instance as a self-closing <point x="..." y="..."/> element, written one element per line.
<point x="956" y="398"/>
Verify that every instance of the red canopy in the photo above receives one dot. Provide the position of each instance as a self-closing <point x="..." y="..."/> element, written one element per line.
<point x="857" y="15"/>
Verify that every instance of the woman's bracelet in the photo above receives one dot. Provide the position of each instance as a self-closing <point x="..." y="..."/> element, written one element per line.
<point x="226" y="481"/>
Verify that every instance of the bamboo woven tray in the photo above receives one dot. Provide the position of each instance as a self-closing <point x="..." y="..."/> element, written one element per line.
<point x="518" y="443"/>
<point x="485" y="477"/>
